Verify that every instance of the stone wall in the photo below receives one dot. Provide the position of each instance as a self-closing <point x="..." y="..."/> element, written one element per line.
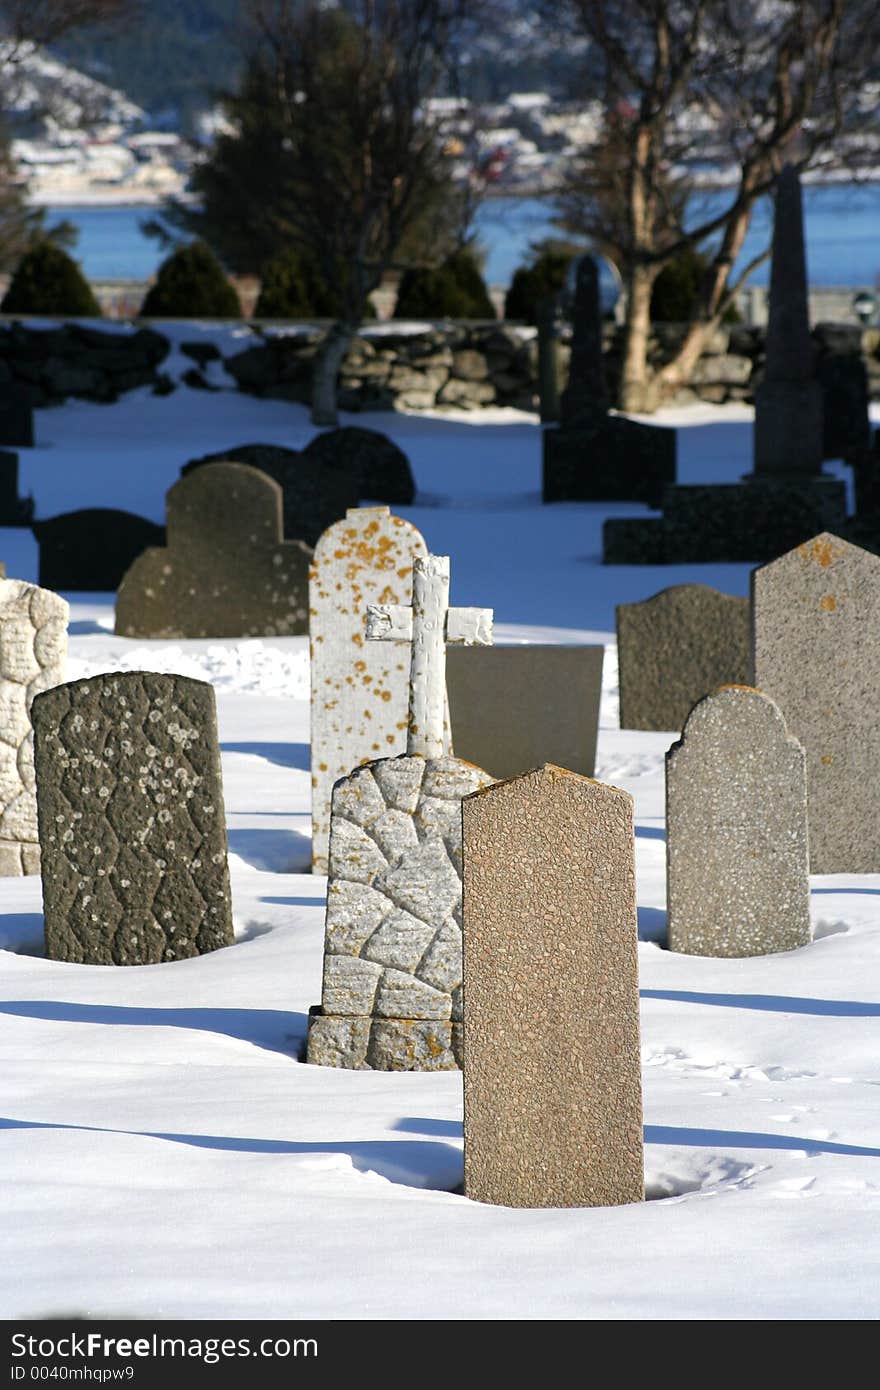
<point x="76" y="359"/>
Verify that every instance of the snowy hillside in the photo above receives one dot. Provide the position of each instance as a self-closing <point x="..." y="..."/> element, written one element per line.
<point x="164" y="1152"/>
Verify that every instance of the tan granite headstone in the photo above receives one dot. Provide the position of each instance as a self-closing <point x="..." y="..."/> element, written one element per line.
<point x="225" y="570"/>
<point x="736" y="830"/>
<point x="33" y="655"/>
<point x="359" y="688"/>
<point x="675" y="647"/>
<point x="552" y="1078"/>
<point x="816" y="615"/>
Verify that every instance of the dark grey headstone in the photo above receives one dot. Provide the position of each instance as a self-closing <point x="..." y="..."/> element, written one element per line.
<point x="131" y="820"/>
<point x="674" y="649"/>
<point x="515" y="708"/>
<point x="16" y="415"/>
<point x="92" y="549"/>
<point x="585" y="401"/>
<point x="382" y="469"/>
<point x="225" y="571"/>
<point x="616" y="460"/>
<point x="788" y="403"/>
<point x="846" y="425"/>
<point x="14" y="510"/>
<point x="315" y="495"/>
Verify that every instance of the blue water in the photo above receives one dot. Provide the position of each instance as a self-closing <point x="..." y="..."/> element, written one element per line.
<point x="842" y="231"/>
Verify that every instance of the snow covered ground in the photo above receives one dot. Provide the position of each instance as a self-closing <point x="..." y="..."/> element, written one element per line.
<point x="165" y="1154"/>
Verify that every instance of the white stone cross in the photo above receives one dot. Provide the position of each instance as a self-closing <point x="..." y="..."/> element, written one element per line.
<point x="428" y="626"/>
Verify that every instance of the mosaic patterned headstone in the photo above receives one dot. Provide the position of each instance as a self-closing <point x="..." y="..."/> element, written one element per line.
<point x="131" y="819"/>
<point x="33" y="655"/>
<point x="816" y="616"/>
<point x="736" y="830"/>
<point x="391" y="997"/>
<point x="552" y="1077"/>
<point x="225" y="570"/>
<point x="676" y="647"/>
<point x="359" y="688"/>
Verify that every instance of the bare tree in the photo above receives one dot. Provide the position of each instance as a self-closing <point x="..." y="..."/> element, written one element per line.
<point x="741" y="85"/>
<point x="359" y="158"/>
<point x="26" y="22"/>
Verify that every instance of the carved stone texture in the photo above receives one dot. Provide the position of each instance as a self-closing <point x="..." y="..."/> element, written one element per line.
<point x="33" y="654"/>
<point x="736" y="830"/>
<point x="675" y="648"/>
<point x="132" y="827"/>
<point x="816" y="636"/>
<point x="391" y="999"/>
<point x="92" y="549"/>
<point x="552" y="1080"/>
<point x="225" y="572"/>
<point x="359" y="688"/>
<point x="314" y="495"/>
<point x="550" y="697"/>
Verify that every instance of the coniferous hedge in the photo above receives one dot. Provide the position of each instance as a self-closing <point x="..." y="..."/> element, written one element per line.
<point x="48" y="281"/>
<point x="453" y="290"/>
<point x="543" y="276"/>
<point x="190" y="284"/>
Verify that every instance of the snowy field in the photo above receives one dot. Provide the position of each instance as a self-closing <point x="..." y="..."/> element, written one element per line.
<point x="165" y="1154"/>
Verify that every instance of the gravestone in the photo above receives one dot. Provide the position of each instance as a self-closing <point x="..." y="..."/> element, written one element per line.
<point x="787" y="498"/>
<point x="225" y="571"/>
<point x="593" y="455"/>
<point x="380" y="467"/>
<point x="550" y="698"/>
<point x="549" y="385"/>
<point x="552" y="1076"/>
<point x="14" y="510"/>
<point x="359" y="688"/>
<point x="674" y="648"/>
<point x="132" y="826"/>
<point x="788" y="403"/>
<point x="816" y="646"/>
<point x="736" y="830"/>
<point x="90" y="550"/>
<point x="16" y="416"/>
<point x="391" y="997"/>
<point x="314" y="494"/>
<point x="33" y="653"/>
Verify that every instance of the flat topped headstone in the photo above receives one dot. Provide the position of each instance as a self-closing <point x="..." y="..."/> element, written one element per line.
<point x="816" y="644"/>
<point x="225" y="570"/>
<point x="550" y="696"/>
<point x="675" y="647"/>
<point x="33" y="655"/>
<point x="314" y="496"/>
<point x="736" y="830"/>
<point x="359" y="688"/>
<point x="132" y="826"/>
<point x="92" y="549"/>
<point x="552" y="1077"/>
<point x="391" y="996"/>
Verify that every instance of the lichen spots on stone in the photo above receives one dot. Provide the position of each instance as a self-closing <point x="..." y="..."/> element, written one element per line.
<point x="819" y="551"/>
<point x="828" y="603"/>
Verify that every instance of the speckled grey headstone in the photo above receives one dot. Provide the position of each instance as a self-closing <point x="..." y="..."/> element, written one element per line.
<point x="391" y="998"/>
<point x="225" y="570"/>
<point x="33" y="655"/>
<point x="816" y="616"/>
<point x="359" y="688"/>
<point x="675" y="647"/>
<point x="736" y="830"/>
<point x="132" y="826"/>
<point x="552" y="1079"/>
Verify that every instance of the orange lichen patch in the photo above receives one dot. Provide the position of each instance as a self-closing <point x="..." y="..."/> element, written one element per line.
<point x="827" y="760"/>
<point x="384" y="695"/>
<point x="368" y="714"/>
<point x="387" y="595"/>
<point x="828" y="603"/>
<point x="322" y="767"/>
<point x="357" y="639"/>
<point x="405" y="573"/>
<point x="360" y="666"/>
<point x="820" y="551"/>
